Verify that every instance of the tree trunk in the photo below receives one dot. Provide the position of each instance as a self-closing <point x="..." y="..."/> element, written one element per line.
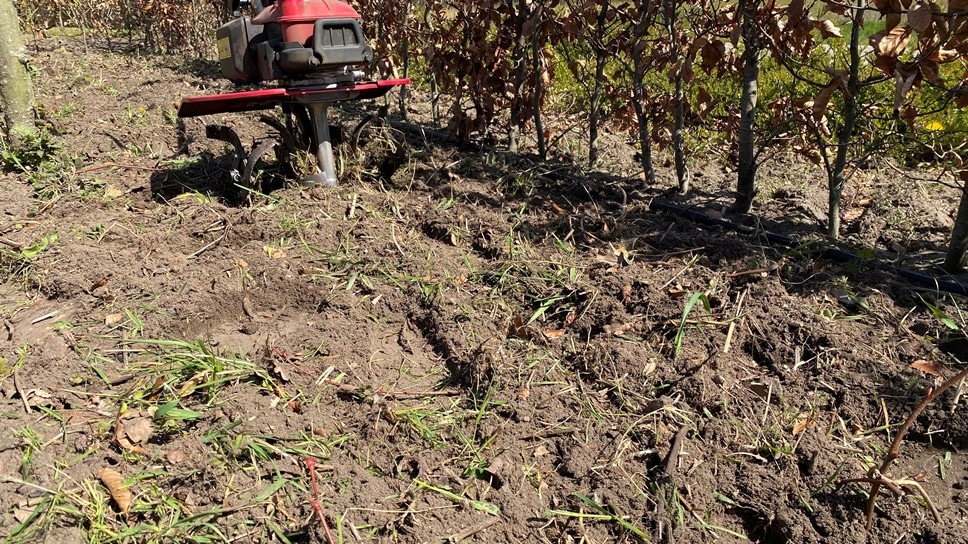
<point x="520" y="60"/>
<point x="18" y="96"/>
<point x="405" y="53"/>
<point x="538" y="85"/>
<point x="679" y="96"/>
<point x="595" y="106"/>
<point x="746" y="179"/>
<point x="638" y="86"/>
<point x="957" y="259"/>
<point x="836" y="176"/>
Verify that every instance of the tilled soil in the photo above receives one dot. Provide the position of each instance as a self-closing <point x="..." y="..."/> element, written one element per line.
<point x="479" y="348"/>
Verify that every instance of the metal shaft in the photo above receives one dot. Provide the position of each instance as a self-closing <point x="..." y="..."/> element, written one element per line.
<point x="324" y="147"/>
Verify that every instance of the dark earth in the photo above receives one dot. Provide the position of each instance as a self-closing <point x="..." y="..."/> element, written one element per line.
<point x="477" y="347"/>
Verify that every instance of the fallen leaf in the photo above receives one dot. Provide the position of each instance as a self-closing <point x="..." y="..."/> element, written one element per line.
<point x="802" y="425"/>
<point x="617" y="329"/>
<point x="520" y="328"/>
<point x="928" y="367"/>
<point x="113" y="319"/>
<point x="570" y="318"/>
<point x="553" y="333"/>
<point x="677" y="292"/>
<point x="175" y="457"/>
<point x="274" y="252"/>
<point x="138" y="430"/>
<point x="115" y="484"/>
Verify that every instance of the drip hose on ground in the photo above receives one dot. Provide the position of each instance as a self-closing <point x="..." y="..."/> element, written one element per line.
<point x="950" y="286"/>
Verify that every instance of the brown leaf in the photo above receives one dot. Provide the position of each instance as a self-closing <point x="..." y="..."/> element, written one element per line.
<point x="801" y="425"/>
<point x="891" y="43"/>
<point x="928" y="367"/>
<point x="824" y="96"/>
<point x="704" y="102"/>
<point x="827" y="28"/>
<point x="274" y="252"/>
<point x="138" y="430"/>
<point x="520" y="329"/>
<point x="113" y="319"/>
<point x="906" y="76"/>
<point x="919" y="17"/>
<point x="119" y="492"/>
<point x="553" y="333"/>
<point x="712" y="55"/>
<point x="617" y="329"/>
<point x="570" y="318"/>
<point x="175" y="457"/>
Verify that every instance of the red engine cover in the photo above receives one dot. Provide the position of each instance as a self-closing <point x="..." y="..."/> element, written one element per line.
<point x="297" y="17"/>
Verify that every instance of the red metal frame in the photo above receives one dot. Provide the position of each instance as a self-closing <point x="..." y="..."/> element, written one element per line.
<point x="263" y="99"/>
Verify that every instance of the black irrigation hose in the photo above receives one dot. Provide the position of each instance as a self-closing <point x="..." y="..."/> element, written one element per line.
<point x="949" y="286"/>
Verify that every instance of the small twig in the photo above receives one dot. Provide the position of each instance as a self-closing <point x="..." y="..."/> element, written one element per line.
<point x="44" y="317"/>
<point x="213" y="243"/>
<point x="672" y="461"/>
<point x="755" y="272"/>
<point x="11" y="244"/>
<point x="20" y="390"/>
<point x="895" y="450"/>
<point x="473" y="530"/>
<point x="311" y="465"/>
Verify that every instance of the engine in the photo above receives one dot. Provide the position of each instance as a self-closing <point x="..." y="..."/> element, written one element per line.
<point x="301" y="42"/>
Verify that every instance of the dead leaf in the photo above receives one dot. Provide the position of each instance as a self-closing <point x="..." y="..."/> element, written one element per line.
<point x="115" y="484"/>
<point x="520" y="329"/>
<point x="24" y="508"/>
<point x="891" y="43"/>
<point x="928" y="367"/>
<point x="617" y="329"/>
<point x="825" y="94"/>
<point x="553" y="333"/>
<point x="828" y="29"/>
<point x="138" y="430"/>
<point x="919" y="16"/>
<point x="175" y="457"/>
<point x="802" y="425"/>
<point x="274" y="252"/>
<point x="623" y="255"/>
<point x="113" y="319"/>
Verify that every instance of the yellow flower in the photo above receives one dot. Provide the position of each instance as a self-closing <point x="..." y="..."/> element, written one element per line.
<point x="934" y="126"/>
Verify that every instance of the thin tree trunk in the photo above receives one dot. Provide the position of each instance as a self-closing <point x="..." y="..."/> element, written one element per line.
<point x="746" y="178"/>
<point x="957" y="259"/>
<point x="520" y="59"/>
<point x="638" y="87"/>
<point x="434" y="92"/>
<point x="538" y="85"/>
<point x="836" y="176"/>
<point x="15" y="88"/>
<point x="405" y="53"/>
<point x="595" y="106"/>
<point x="678" y="98"/>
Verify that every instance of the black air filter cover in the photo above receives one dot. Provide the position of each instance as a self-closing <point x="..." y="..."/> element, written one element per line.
<point x="340" y="42"/>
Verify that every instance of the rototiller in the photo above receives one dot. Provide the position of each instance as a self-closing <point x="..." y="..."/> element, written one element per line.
<point x="315" y="50"/>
